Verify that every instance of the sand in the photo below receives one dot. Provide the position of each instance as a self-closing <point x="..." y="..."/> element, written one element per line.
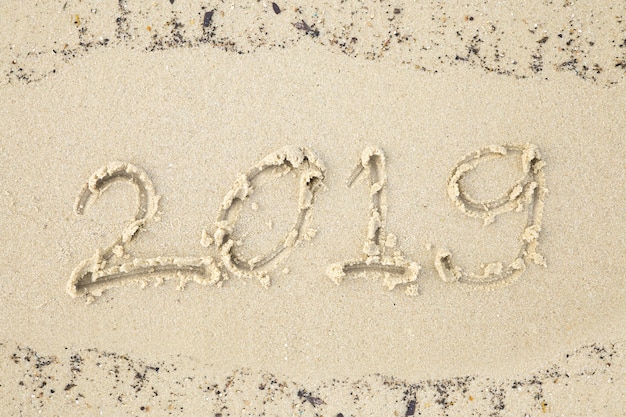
<point x="401" y="209"/>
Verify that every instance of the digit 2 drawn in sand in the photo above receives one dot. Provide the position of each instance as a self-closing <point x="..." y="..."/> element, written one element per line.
<point x="394" y="269"/>
<point x="94" y="275"/>
<point x="529" y="191"/>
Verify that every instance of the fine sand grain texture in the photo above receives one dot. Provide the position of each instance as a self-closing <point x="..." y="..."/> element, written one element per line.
<point x="312" y="209"/>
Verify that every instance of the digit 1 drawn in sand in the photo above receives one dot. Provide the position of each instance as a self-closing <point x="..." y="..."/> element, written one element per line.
<point x="94" y="275"/>
<point x="394" y="269"/>
<point x="281" y="162"/>
<point x="530" y="192"/>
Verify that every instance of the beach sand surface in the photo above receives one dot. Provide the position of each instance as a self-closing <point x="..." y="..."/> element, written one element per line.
<point x="195" y="121"/>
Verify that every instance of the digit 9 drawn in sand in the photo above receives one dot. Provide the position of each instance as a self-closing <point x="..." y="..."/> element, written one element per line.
<point x="528" y="192"/>
<point x="112" y="266"/>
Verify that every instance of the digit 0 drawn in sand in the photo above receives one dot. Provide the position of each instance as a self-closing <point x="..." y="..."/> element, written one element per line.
<point x="528" y="192"/>
<point x="94" y="275"/>
<point x="393" y="268"/>
<point x="111" y="267"/>
<point x="288" y="159"/>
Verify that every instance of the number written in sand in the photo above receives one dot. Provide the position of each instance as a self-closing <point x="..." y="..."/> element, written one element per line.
<point x="113" y="266"/>
<point x="527" y="193"/>
<point x="376" y="259"/>
<point x="280" y="163"/>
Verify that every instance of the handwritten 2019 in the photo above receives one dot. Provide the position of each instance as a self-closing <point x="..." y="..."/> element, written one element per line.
<point x="112" y="266"/>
